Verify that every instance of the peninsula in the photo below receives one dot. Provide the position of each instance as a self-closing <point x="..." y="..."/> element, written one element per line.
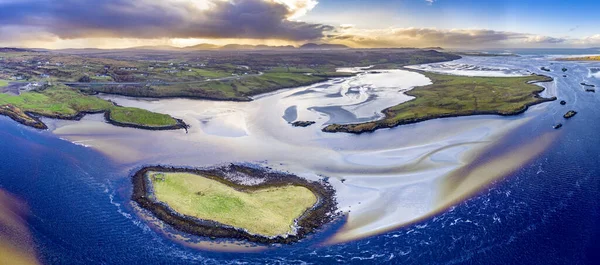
<point x="452" y="96"/>
<point x="583" y="58"/>
<point x="61" y="102"/>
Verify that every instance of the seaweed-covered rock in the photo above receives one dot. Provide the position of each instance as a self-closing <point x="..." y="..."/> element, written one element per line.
<point x="303" y="123"/>
<point x="587" y="85"/>
<point x="570" y="114"/>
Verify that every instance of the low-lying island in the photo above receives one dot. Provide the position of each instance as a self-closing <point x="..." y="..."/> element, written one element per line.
<point x="220" y="203"/>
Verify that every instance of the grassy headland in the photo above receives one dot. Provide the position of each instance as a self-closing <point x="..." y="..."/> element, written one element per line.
<point x="583" y="58"/>
<point x="65" y="103"/>
<point x="451" y="96"/>
<point x="268" y="212"/>
<point x="3" y="83"/>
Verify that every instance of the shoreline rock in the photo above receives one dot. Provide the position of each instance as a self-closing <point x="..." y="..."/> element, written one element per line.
<point x="587" y="85"/>
<point x="570" y="114"/>
<point x="303" y="123"/>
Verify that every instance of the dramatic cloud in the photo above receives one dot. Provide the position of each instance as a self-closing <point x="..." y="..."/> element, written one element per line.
<point x="126" y="23"/>
<point x="419" y="37"/>
<point x="148" y="19"/>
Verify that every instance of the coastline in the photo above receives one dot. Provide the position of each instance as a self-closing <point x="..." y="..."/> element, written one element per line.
<point x="38" y="124"/>
<point x="246" y="97"/>
<point x="322" y="213"/>
<point x="381" y="124"/>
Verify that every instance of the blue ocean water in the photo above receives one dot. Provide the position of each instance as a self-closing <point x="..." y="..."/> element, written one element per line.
<point x="545" y="213"/>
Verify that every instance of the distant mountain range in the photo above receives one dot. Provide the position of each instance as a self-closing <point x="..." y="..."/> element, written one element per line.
<point x="9" y="49"/>
<point x="437" y="48"/>
<point x="204" y="46"/>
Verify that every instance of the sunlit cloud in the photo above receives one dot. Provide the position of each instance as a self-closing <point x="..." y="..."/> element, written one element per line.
<point x="297" y="8"/>
<point x="421" y="37"/>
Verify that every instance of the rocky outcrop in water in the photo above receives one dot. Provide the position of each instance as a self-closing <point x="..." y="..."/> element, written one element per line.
<point x="570" y="114"/>
<point x="303" y="123"/>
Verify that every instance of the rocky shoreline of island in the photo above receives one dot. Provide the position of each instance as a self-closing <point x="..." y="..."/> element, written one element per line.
<point x="322" y="213"/>
<point x="32" y="119"/>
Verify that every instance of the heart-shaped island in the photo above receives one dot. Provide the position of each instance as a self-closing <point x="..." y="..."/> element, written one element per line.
<point x="219" y="203"/>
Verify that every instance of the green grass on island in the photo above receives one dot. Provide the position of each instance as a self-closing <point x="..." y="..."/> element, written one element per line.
<point x="3" y="83"/>
<point x="452" y="95"/>
<point x="267" y="212"/>
<point x="141" y="117"/>
<point x="63" y="102"/>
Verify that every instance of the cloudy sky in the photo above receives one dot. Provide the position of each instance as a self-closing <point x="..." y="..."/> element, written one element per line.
<point x="357" y="23"/>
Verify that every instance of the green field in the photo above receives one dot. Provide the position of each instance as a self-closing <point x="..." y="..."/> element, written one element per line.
<point x="452" y="95"/>
<point x="140" y="116"/>
<point x="267" y="212"/>
<point x="3" y="83"/>
<point x="64" y="102"/>
<point x="239" y="88"/>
